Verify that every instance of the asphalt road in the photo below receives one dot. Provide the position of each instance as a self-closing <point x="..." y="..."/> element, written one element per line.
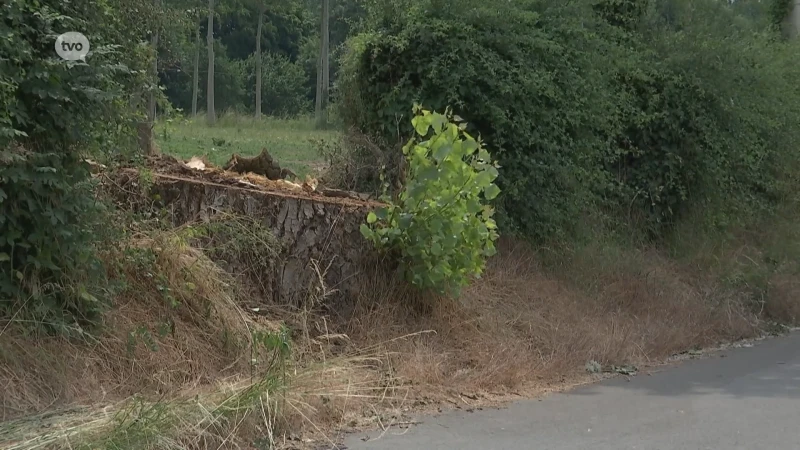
<point x="743" y="398"/>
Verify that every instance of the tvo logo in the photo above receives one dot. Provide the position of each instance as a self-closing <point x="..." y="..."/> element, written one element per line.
<point x="72" y="46"/>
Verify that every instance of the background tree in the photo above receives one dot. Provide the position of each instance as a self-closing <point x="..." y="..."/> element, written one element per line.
<point x="195" y="14"/>
<point x="261" y="7"/>
<point x="211" y="115"/>
<point x="323" y="72"/>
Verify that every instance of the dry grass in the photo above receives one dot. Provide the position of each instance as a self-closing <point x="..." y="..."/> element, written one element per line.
<point x="782" y="301"/>
<point x="231" y="413"/>
<point x="193" y="386"/>
<point x="521" y="328"/>
<point x="198" y="339"/>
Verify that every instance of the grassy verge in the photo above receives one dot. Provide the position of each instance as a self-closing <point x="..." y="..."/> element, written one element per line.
<point x="290" y="141"/>
<point x="180" y="364"/>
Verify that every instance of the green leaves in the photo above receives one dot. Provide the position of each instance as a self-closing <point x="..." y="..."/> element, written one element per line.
<point x="52" y="114"/>
<point x="440" y="224"/>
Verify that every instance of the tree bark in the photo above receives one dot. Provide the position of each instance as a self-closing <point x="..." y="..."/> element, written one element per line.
<point x="323" y="69"/>
<point x="196" y="73"/>
<point x="794" y="19"/>
<point x="258" y="60"/>
<point x="320" y="236"/>
<point x="146" y="131"/>
<point x="211" y="115"/>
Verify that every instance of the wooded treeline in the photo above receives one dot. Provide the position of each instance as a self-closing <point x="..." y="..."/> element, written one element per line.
<point x="267" y="49"/>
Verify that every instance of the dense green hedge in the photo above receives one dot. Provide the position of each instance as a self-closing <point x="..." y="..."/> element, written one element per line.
<point x="647" y="108"/>
<point x="53" y="114"/>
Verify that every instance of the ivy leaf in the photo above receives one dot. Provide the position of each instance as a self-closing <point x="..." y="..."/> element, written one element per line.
<point x="371" y="218"/>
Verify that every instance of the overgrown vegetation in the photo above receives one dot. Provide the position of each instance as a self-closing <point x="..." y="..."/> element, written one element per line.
<point x="647" y="153"/>
<point x="642" y="109"/>
<point x="439" y="224"/>
<point x="54" y="113"/>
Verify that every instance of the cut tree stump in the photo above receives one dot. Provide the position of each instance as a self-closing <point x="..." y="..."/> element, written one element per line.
<point x="320" y="235"/>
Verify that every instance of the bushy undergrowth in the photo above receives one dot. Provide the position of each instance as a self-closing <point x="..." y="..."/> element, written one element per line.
<point x="440" y="223"/>
<point x="52" y="114"/>
<point x="645" y="109"/>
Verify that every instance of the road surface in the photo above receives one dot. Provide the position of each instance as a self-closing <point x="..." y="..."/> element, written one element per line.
<point x="743" y="398"/>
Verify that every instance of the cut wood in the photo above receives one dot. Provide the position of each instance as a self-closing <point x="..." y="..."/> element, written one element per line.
<point x="263" y="164"/>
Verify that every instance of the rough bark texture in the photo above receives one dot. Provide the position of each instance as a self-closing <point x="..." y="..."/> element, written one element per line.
<point x="147" y="143"/>
<point x="211" y="114"/>
<point x="320" y="239"/>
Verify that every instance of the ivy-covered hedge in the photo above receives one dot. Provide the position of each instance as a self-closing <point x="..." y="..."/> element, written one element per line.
<point x="53" y="114"/>
<point x="644" y="107"/>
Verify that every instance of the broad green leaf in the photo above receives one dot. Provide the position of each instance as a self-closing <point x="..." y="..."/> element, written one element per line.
<point x="371" y="218"/>
<point x="491" y="192"/>
<point x="366" y="231"/>
<point x="421" y="126"/>
<point x="441" y="153"/>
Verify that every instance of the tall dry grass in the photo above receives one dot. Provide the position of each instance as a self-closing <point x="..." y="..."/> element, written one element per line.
<point x="176" y="365"/>
<point x="523" y="327"/>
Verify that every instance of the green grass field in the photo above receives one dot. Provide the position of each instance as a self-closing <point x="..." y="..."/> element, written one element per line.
<point x="291" y="142"/>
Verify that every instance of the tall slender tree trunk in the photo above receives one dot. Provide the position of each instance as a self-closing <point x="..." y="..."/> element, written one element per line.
<point x="146" y="132"/>
<point x="258" y="60"/>
<point x="323" y="69"/>
<point x="318" y="102"/>
<point x="211" y="115"/>
<point x="794" y="18"/>
<point x="196" y="73"/>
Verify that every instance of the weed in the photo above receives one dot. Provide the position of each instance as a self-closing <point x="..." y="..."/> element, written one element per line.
<point x="244" y="244"/>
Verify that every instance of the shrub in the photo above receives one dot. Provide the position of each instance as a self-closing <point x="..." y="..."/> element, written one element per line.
<point x="530" y="78"/>
<point x="639" y="108"/>
<point x="52" y="112"/>
<point x="708" y="113"/>
<point x="440" y="224"/>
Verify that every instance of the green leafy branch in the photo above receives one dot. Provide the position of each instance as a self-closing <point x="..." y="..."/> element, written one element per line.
<point x="441" y="223"/>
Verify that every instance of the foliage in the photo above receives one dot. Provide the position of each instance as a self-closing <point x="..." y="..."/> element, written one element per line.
<point x="625" y="14"/>
<point x="53" y="112"/>
<point x="641" y="109"/>
<point x="529" y="112"/>
<point x="440" y="223"/>
<point x="284" y="86"/>
<point x="778" y="11"/>
<point x="708" y="121"/>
